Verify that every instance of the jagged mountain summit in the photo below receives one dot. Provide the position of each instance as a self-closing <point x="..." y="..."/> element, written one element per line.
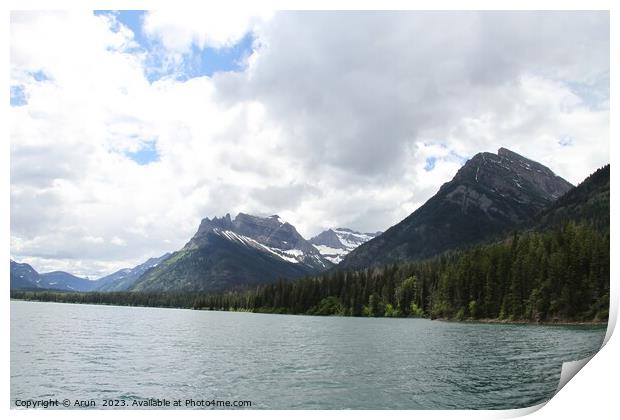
<point x="270" y="234"/>
<point x="334" y="244"/>
<point x="227" y="253"/>
<point x="489" y="195"/>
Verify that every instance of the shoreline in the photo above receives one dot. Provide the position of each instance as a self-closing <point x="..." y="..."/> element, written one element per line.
<point x="523" y="322"/>
<point x="470" y="321"/>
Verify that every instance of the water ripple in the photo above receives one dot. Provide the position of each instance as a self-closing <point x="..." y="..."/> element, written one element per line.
<point x="279" y="362"/>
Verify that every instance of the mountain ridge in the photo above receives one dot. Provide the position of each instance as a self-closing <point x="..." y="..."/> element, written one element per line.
<point x="489" y="195"/>
<point x="124" y="278"/>
<point x="587" y="202"/>
<point x="24" y="276"/>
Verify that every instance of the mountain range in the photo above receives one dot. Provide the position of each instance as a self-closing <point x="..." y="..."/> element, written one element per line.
<point x="242" y="251"/>
<point x="23" y="276"/>
<point x="490" y="195"/>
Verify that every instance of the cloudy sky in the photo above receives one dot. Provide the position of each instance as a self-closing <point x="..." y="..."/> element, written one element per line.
<point x="128" y="128"/>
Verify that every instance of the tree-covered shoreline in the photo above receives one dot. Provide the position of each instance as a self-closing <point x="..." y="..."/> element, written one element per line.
<point x="555" y="276"/>
<point x="466" y="321"/>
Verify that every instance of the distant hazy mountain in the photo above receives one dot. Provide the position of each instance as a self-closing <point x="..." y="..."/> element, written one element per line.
<point x="226" y="253"/>
<point x="23" y="276"/>
<point x="334" y="244"/>
<point x="66" y="281"/>
<point x="490" y="194"/>
<point x="125" y="278"/>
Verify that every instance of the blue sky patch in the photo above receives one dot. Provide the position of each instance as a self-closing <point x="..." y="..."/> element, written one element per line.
<point x="198" y="62"/>
<point x="430" y="163"/>
<point x="209" y="61"/>
<point x="18" y="92"/>
<point x="147" y="154"/>
<point x="39" y="76"/>
<point x="18" y="96"/>
<point x="133" y="19"/>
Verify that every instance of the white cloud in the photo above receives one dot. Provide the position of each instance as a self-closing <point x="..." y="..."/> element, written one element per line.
<point x="331" y="123"/>
<point x="180" y="29"/>
<point x="93" y="239"/>
<point x="118" y="241"/>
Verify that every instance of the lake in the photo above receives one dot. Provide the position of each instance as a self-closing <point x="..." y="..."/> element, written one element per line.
<point x="91" y="352"/>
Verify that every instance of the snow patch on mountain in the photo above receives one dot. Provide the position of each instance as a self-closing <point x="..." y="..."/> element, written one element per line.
<point x="332" y="254"/>
<point x="334" y="244"/>
<point x="295" y="256"/>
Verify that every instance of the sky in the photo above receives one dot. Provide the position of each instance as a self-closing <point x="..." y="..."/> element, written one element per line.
<point x="127" y="128"/>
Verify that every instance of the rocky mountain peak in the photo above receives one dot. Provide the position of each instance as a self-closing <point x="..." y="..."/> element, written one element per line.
<point x="503" y="152"/>
<point x="227" y="252"/>
<point x="335" y="243"/>
<point x="207" y="224"/>
<point x="272" y="232"/>
<point x="507" y="175"/>
<point x="328" y="238"/>
<point x="490" y="194"/>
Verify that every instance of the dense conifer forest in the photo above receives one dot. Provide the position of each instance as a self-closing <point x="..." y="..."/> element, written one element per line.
<point x="558" y="275"/>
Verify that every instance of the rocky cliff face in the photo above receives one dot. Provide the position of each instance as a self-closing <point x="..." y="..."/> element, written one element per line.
<point x="226" y="253"/>
<point x="506" y="185"/>
<point x="489" y="195"/>
<point x="272" y="232"/>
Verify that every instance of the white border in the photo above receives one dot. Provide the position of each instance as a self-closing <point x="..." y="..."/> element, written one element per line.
<point x="592" y="393"/>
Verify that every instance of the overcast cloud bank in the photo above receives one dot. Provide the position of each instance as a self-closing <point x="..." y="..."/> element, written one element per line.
<point x="333" y="119"/>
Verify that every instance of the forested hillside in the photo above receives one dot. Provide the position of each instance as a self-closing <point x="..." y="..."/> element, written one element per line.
<point x="561" y="275"/>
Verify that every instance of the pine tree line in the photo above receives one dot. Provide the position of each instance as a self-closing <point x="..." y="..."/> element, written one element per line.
<point x="557" y="275"/>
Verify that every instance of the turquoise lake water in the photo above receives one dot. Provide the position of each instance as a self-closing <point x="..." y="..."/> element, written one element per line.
<point x="90" y="352"/>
